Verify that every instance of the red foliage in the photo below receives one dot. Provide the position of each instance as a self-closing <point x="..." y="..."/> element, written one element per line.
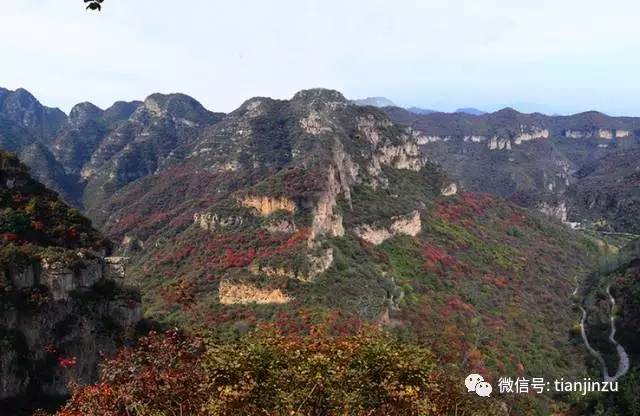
<point x="468" y="206"/>
<point x="458" y="304"/>
<point x="10" y="237"/>
<point x="436" y="257"/>
<point x="162" y="369"/>
<point x="66" y="363"/>
<point x="497" y="281"/>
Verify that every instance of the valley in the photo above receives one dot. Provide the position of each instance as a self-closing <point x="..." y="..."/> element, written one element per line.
<point x="450" y="231"/>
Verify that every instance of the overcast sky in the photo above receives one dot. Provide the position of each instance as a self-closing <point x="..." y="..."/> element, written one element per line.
<point x="551" y="55"/>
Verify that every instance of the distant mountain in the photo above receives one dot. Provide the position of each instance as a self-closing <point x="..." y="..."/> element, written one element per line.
<point x="95" y="151"/>
<point x="578" y="168"/>
<point x="21" y="107"/>
<point x="417" y="110"/>
<point x="471" y="110"/>
<point x="374" y="101"/>
<point x="157" y="131"/>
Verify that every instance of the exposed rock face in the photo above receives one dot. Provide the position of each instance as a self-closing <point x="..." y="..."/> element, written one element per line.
<point x="64" y="317"/>
<point x="597" y="133"/>
<point x="267" y="205"/>
<point x="325" y="221"/>
<point x="211" y="221"/>
<point x="557" y="211"/>
<point x="61" y="302"/>
<point x="240" y="293"/>
<point x="524" y="134"/>
<point x="450" y="190"/>
<point x="409" y="224"/>
<point x="24" y="109"/>
<point x="405" y="156"/>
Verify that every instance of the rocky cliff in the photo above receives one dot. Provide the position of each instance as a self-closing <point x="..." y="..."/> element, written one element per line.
<point x="62" y="302"/>
<point x="543" y="162"/>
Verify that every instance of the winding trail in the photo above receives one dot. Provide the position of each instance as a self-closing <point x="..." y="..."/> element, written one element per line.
<point x="623" y="357"/>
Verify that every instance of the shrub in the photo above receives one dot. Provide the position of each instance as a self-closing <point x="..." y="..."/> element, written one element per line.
<point x="269" y="373"/>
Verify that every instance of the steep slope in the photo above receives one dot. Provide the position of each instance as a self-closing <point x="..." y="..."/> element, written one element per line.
<point x="92" y="153"/>
<point x="87" y="127"/>
<point x="143" y="144"/>
<point x="62" y="302"/>
<point x="24" y="109"/>
<point x="535" y="160"/>
<point x="49" y="171"/>
<point x="287" y="210"/>
<point x="26" y="127"/>
<point x="617" y="278"/>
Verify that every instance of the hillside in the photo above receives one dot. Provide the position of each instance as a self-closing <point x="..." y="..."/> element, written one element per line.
<point x="291" y="211"/>
<point x="577" y="168"/>
<point x="62" y="302"/>
<point x="617" y="278"/>
<point x="91" y="153"/>
<point x="302" y="210"/>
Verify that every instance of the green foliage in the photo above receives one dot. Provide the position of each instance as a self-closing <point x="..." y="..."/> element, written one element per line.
<point x="266" y="372"/>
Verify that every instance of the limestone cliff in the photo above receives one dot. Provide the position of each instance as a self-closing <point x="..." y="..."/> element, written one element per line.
<point x="409" y="224"/>
<point x="52" y="312"/>
<point x="62" y="302"/>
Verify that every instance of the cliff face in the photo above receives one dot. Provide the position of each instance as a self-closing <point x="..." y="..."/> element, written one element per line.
<point x="62" y="302"/>
<point x="265" y="190"/>
<point x="56" y="321"/>
<point x="542" y="162"/>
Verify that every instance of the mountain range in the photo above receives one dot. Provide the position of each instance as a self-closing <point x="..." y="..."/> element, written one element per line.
<point x="287" y="211"/>
<point x="578" y="168"/>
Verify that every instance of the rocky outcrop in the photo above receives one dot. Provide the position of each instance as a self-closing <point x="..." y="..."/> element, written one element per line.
<point x="558" y="211"/>
<point x="597" y="133"/>
<point x="530" y="133"/>
<point x="422" y="140"/>
<point x="408" y="224"/>
<point x="231" y="293"/>
<point x="524" y="134"/>
<point x="210" y="221"/>
<point x="450" y="190"/>
<point x="315" y="124"/>
<point x="266" y="205"/>
<point x="55" y="323"/>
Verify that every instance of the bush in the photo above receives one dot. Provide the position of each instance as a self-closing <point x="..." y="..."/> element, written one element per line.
<point x="268" y="373"/>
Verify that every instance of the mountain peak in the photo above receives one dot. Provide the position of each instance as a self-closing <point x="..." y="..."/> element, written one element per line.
<point x="375" y="102"/>
<point x="83" y="112"/>
<point x="176" y="105"/>
<point x="507" y="111"/>
<point x="322" y="95"/>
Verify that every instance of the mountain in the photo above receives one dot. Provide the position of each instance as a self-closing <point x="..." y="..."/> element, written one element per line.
<point x="153" y="134"/>
<point x="470" y="110"/>
<point x="24" y="109"/>
<point x="62" y="301"/>
<point x="93" y="152"/>
<point x="374" y="101"/>
<point x="287" y="210"/>
<point x="578" y="168"/>
<point x="417" y="110"/>
<point x="610" y="297"/>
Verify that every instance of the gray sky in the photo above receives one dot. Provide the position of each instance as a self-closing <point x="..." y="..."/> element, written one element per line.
<point x="552" y="55"/>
